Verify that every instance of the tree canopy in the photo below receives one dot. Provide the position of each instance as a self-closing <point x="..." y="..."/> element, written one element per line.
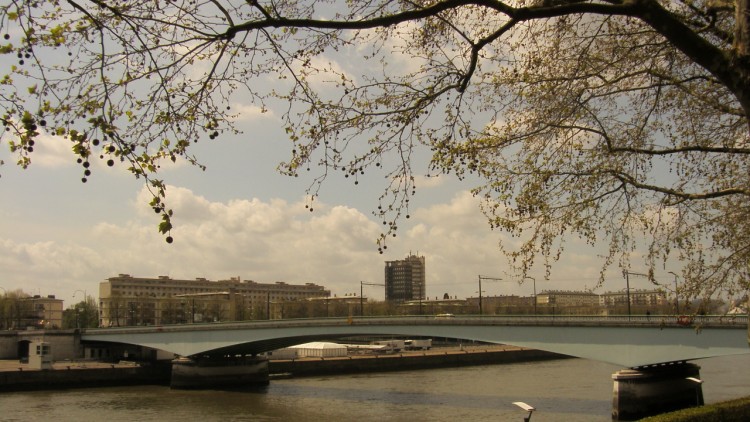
<point x="83" y="314"/>
<point x="619" y="121"/>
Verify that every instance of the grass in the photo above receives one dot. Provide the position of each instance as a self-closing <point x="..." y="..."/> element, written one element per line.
<point x="729" y="411"/>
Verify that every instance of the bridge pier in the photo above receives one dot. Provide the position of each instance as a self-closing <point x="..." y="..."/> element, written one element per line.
<point x="219" y="372"/>
<point x="651" y="390"/>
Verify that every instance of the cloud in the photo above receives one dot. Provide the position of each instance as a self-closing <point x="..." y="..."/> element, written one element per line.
<point x="265" y="241"/>
<point x="48" y="268"/>
<point x="429" y="181"/>
<point x="245" y="112"/>
<point x="268" y="241"/>
<point x="52" y="152"/>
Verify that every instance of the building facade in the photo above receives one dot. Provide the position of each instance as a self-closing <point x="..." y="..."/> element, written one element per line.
<point x="405" y="279"/>
<point x="567" y="298"/>
<point x="647" y="298"/>
<point x="41" y="312"/>
<point x="126" y="300"/>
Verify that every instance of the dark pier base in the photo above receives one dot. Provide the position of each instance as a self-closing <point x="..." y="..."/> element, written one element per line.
<point x="648" y="391"/>
<point x="219" y="372"/>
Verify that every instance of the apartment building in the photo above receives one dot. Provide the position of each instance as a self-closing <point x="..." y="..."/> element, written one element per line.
<point x="654" y="298"/>
<point x="39" y="312"/>
<point x="127" y="300"/>
<point x="563" y="298"/>
<point x="405" y="279"/>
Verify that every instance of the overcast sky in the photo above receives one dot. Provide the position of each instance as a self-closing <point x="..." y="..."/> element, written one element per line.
<point x="240" y="218"/>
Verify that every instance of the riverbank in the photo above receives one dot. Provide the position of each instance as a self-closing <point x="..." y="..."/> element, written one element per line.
<point x="15" y="376"/>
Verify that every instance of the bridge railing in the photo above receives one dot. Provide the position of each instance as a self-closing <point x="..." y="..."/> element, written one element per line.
<point x="739" y="321"/>
<point x="697" y="321"/>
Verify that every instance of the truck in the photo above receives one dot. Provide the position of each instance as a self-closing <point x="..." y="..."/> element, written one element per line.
<point x="391" y="346"/>
<point x="418" y="344"/>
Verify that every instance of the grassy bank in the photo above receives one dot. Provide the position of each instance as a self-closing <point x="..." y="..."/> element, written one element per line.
<point x="729" y="411"/>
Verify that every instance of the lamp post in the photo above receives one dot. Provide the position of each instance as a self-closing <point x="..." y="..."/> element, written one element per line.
<point x="84" y="294"/>
<point x="676" y="296"/>
<point x="532" y="278"/>
<point x="627" y="275"/>
<point x="5" y="296"/>
<point x="698" y="382"/>
<point x="480" y="289"/>
<point x="85" y="309"/>
<point x="362" y="297"/>
<point x="527" y="408"/>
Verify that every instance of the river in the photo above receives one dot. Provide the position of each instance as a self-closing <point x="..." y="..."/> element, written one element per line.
<point x="561" y="390"/>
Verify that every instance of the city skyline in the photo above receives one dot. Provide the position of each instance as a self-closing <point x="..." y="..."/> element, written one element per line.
<point x="380" y="288"/>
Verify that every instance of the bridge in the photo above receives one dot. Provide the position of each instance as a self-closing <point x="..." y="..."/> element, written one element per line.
<point x="656" y="348"/>
<point x="628" y="341"/>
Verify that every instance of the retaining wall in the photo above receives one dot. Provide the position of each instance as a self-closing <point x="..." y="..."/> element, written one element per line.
<point x="406" y="362"/>
<point x="84" y="378"/>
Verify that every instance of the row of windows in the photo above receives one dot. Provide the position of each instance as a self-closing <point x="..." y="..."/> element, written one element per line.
<point x="171" y="292"/>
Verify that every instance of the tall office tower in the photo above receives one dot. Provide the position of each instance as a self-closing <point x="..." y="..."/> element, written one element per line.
<point x="405" y="279"/>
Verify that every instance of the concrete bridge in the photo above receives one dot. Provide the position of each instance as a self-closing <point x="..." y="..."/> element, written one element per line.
<point x="628" y="341"/>
<point x="656" y="349"/>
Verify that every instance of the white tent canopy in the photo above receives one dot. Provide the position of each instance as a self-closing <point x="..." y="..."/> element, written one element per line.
<point x="320" y="349"/>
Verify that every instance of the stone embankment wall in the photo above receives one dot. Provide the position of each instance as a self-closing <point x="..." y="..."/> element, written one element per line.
<point x="406" y="361"/>
<point x="16" y="376"/>
<point x="8" y="345"/>
<point x="84" y="377"/>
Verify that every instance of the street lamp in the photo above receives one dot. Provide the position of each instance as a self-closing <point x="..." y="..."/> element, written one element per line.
<point x="534" y="291"/>
<point x="627" y="275"/>
<point x="5" y="296"/>
<point x="676" y="296"/>
<point x="85" y="309"/>
<point x="480" y="289"/>
<point x="527" y="408"/>
<point x="82" y="291"/>
<point x="698" y="382"/>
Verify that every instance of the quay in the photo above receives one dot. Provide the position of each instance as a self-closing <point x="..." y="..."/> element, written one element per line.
<point x="16" y="376"/>
<point x="440" y="357"/>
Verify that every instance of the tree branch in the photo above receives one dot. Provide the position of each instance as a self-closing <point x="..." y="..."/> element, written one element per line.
<point x="626" y="178"/>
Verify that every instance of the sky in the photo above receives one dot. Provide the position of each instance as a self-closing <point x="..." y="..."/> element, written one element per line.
<point x="241" y="218"/>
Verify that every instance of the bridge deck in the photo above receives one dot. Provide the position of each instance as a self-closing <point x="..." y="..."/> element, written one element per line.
<point x="625" y="340"/>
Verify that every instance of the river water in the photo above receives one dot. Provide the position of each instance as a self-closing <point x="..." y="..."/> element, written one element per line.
<point x="561" y="390"/>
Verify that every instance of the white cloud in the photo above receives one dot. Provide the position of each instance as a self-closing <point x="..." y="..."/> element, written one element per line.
<point x="429" y="182"/>
<point x="264" y="241"/>
<point x="270" y="241"/>
<point x="245" y="112"/>
<point x="52" y="151"/>
<point x="48" y="268"/>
